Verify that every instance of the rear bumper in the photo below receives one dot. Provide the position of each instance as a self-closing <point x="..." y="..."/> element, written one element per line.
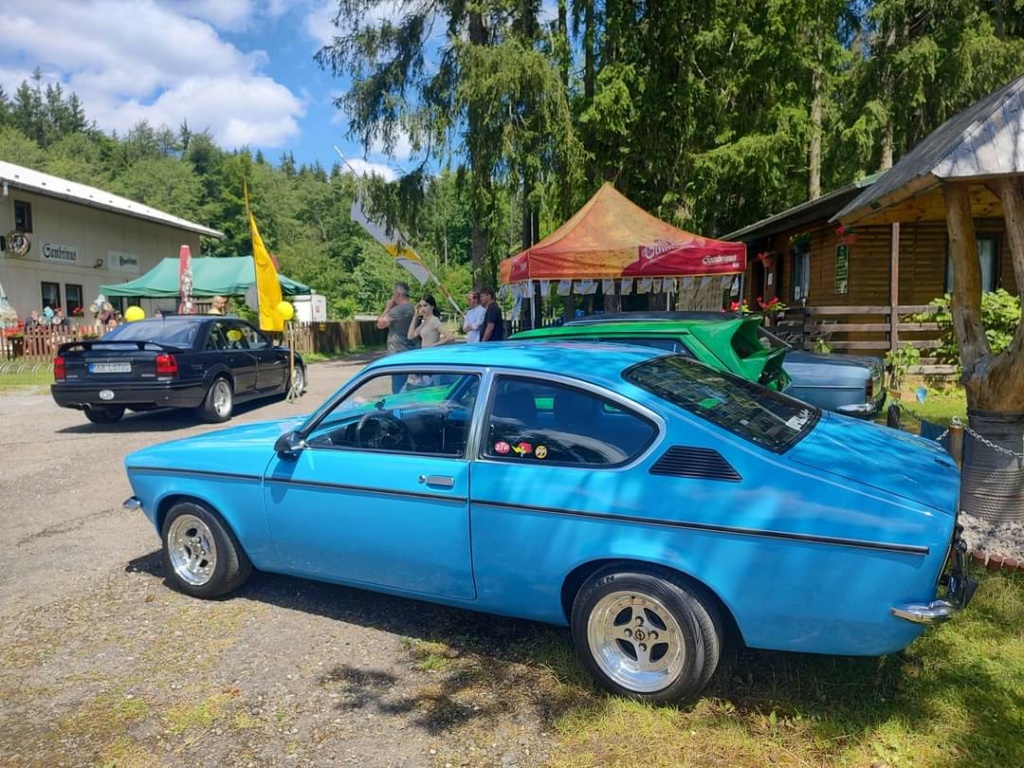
<point x="863" y="410"/>
<point x="959" y="586"/>
<point x="159" y="394"/>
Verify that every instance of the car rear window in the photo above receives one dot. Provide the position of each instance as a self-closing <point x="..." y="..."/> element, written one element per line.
<point x="178" y="333"/>
<point x="754" y="413"/>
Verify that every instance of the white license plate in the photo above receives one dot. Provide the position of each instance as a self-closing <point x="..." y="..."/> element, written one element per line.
<point x="110" y="367"/>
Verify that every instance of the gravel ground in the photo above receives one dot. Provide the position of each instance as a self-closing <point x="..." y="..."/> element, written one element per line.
<point x="102" y="664"/>
<point x="1003" y="539"/>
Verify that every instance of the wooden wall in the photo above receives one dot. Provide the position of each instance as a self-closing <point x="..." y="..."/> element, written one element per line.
<point x="922" y="265"/>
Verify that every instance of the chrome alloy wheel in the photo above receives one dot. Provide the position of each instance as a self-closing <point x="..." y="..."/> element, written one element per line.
<point x="636" y="641"/>
<point x="222" y="398"/>
<point x="192" y="550"/>
<point x="298" y="380"/>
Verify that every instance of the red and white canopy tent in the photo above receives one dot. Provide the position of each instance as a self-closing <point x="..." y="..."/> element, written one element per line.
<point x="614" y="242"/>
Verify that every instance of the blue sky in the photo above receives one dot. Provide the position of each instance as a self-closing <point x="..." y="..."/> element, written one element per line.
<point x="242" y="69"/>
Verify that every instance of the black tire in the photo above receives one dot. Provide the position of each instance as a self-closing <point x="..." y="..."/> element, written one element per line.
<point x="300" y="382"/>
<point x="201" y="555"/>
<point x="104" y="414"/>
<point x="644" y="633"/>
<point x="219" y="403"/>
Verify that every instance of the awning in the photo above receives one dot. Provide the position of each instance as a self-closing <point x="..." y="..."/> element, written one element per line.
<point x="227" y="276"/>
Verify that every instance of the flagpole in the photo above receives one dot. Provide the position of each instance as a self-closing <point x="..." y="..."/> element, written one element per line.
<point x="402" y="236"/>
<point x="248" y="217"/>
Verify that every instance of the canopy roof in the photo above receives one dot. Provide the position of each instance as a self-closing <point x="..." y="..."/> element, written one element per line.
<point x="977" y="145"/>
<point x="228" y="276"/>
<point x="610" y="236"/>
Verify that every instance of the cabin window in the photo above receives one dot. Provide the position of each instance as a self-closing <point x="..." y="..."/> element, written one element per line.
<point x="75" y="304"/>
<point x="801" y="273"/>
<point x="988" y="255"/>
<point x="51" y="295"/>
<point x="22" y="216"/>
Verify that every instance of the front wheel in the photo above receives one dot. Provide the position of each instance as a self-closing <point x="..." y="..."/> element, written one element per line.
<point x="104" y="414"/>
<point x="643" y="632"/>
<point x="201" y="556"/>
<point x="219" y="401"/>
<point x="298" y="380"/>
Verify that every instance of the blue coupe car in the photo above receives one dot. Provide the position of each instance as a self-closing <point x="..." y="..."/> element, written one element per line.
<point x="652" y="504"/>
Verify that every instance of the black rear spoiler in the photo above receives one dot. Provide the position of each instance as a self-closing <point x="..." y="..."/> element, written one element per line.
<point x="87" y="346"/>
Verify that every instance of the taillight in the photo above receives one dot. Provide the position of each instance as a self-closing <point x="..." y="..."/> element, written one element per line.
<point x="166" y="365"/>
<point x="59" y="371"/>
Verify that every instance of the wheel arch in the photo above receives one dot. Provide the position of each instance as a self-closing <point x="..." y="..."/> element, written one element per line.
<point x="582" y="573"/>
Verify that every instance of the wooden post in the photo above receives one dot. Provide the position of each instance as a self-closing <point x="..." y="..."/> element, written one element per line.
<point x="956" y="443"/>
<point x="894" y="287"/>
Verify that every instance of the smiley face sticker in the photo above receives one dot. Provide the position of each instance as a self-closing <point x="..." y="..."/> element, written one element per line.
<point x="541" y="451"/>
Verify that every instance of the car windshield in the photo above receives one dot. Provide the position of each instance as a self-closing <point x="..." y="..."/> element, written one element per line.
<point x="177" y="333"/>
<point x="756" y="414"/>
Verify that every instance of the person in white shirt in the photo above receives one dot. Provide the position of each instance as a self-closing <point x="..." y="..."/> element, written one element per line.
<point x="474" y="317"/>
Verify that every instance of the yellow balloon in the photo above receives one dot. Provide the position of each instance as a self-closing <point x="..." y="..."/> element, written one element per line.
<point x="134" y="313"/>
<point x="234" y="335"/>
<point x="286" y="310"/>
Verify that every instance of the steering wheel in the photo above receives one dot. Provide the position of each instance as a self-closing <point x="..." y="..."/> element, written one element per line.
<point x="382" y="430"/>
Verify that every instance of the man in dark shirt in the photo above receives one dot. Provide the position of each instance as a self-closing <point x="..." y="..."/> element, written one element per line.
<point x="494" y="325"/>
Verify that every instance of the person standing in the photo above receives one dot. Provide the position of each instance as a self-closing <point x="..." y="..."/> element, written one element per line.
<point x="494" y="324"/>
<point x="219" y="305"/>
<point x="474" y="320"/>
<point x="427" y="325"/>
<point x="397" y="317"/>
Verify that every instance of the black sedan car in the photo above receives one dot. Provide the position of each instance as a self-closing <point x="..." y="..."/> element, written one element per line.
<point x="206" y="362"/>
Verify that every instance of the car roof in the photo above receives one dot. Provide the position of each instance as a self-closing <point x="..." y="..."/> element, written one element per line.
<point x="596" y="360"/>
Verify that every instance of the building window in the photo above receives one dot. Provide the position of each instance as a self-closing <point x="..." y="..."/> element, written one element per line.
<point x="51" y="295"/>
<point x="988" y="255"/>
<point x="74" y="296"/>
<point x="22" y="216"/>
<point x="801" y="271"/>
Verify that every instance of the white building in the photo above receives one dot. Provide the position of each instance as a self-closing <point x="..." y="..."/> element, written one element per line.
<point x="60" y="240"/>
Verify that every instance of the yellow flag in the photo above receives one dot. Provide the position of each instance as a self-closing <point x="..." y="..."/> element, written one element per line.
<point x="268" y="287"/>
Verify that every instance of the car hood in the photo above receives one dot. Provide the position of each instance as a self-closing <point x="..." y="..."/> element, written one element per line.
<point x="242" y="449"/>
<point x="896" y="462"/>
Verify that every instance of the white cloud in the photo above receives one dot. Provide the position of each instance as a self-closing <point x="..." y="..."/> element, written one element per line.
<point x="131" y="60"/>
<point x="365" y="168"/>
<point x="320" y="22"/>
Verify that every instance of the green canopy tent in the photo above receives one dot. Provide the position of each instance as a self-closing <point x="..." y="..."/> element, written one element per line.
<point x="227" y="276"/>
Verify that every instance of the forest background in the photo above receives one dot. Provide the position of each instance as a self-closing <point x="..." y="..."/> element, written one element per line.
<point x="709" y="114"/>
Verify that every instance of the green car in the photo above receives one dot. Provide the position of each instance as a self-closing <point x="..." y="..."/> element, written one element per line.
<point x="731" y="344"/>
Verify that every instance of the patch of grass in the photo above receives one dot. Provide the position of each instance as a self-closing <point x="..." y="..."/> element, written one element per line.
<point x="14" y="376"/>
<point x="198" y="716"/>
<point x="938" y="407"/>
<point x="954" y="697"/>
<point x="429" y="656"/>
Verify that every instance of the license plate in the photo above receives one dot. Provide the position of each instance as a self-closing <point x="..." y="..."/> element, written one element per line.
<point x="110" y="367"/>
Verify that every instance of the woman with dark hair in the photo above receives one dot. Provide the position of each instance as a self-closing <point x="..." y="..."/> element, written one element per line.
<point x="426" y="326"/>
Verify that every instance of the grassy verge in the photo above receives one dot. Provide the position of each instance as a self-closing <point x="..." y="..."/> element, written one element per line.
<point x="954" y="697"/>
<point x="11" y="378"/>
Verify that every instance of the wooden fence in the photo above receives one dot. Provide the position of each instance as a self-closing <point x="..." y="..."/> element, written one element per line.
<point x="39" y="345"/>
<point x="869" y="330"/>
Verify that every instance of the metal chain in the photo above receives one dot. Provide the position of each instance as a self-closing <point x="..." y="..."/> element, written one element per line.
<point x="980" y="438"/>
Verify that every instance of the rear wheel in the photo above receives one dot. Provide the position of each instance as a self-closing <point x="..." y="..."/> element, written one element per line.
<point x="104" y="414"/>
<point x="645" y="633"/>
<point x="298" y="380"/>
<point x="201" y="556"/>
<point x="219" y="402"/>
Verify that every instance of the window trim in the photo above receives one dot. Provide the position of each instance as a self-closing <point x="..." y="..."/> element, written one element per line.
<point x="42" y="295"/>
<point x="631" y="407"/>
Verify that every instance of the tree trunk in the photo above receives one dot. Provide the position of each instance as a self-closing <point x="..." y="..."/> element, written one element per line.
<point x="1006" y="374"/>
<point x="966" y="302"/>
<point x="814" y="161"/>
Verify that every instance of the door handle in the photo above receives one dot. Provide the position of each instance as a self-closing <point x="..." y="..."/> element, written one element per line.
<point x="439" y="481"/>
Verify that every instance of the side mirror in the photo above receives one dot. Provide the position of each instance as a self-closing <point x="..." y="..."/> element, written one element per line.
<point x="290" y="445"/>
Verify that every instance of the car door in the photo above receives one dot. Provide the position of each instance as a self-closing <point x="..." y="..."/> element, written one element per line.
<point x="379" y="494"/>
<point x="272" y="365"/>
<point x="226" y="344"/>
<point x="549" y="470"/>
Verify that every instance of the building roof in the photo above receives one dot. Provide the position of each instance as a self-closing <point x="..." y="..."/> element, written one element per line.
<point x="19" y="177"/>
<point x="820" y="208"/>
<point x="982" y="142"/>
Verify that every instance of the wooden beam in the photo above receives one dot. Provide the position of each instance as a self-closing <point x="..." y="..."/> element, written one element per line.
<point x="894" y="286"/>
<point x="1006" y="373"/>
<point x="966" y="302"/>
